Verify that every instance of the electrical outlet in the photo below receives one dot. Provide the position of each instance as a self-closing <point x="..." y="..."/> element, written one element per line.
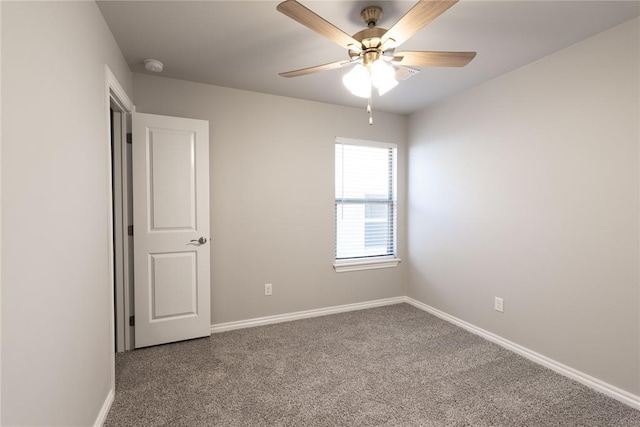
<point x="268" y="289"/>
<point x="498" y="304"/>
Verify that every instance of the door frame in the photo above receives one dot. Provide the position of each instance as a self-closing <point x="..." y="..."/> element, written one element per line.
<point x="118" y="137"/>
<point x="116" y="98"/>
<point x="122" y="219"/>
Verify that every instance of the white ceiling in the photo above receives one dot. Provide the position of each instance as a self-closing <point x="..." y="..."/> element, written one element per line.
<point x="245" y="44"/>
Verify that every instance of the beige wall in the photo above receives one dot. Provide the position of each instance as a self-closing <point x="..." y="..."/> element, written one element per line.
<point x="527" y="188"/>
<point x="56" y="346"/>
<point x="272" y="196"/>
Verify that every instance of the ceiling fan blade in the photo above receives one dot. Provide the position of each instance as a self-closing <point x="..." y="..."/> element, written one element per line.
<point x="414" y="20"/>
<point x="317" y="68"/>
<point x="311" y="20"/>
<point x="433" y="59"/>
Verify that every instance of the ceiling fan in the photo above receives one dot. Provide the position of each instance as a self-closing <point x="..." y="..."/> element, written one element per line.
<point x="372" y="50"/>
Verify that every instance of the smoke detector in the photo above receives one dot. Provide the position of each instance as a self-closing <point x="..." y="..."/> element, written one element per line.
<point x="153" y="65"/>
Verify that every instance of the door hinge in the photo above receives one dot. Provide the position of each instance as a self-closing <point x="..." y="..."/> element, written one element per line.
<point x="129" y="138"/>
<point x="132" y="320"/>
<point x="130" y="230"/>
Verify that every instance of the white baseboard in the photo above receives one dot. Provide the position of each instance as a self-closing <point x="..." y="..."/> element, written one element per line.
<point x="268" y="320"/>
<point x="104" y="411"/>
<point x="591" y="382"/>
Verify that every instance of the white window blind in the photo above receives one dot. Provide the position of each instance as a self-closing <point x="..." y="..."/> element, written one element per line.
<point x="365" y="203"/>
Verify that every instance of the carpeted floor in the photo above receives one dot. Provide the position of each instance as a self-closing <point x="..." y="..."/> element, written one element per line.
<point x="393" y="366"/>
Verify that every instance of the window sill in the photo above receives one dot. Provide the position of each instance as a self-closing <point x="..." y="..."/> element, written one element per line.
<point x="368" y="264"/>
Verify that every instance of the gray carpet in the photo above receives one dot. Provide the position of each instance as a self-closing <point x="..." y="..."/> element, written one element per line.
<point x="393" y="366"/>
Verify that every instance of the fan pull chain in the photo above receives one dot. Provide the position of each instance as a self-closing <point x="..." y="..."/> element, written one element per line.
<point x="370" y="110"/>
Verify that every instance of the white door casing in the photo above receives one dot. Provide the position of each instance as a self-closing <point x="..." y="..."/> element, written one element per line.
<point x="170" y="216"/>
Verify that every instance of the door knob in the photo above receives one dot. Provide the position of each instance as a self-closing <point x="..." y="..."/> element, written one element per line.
<point x="201" y="240"/>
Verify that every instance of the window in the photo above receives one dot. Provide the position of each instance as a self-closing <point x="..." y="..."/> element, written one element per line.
<point x="365" y="205"/>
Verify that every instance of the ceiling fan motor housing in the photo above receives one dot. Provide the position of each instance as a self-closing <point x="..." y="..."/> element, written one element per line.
<point x="370" y="39"/>
<point x="371" y="15"/>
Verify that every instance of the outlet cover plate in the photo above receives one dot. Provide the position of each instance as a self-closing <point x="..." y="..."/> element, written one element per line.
<point x="499" y="304"/>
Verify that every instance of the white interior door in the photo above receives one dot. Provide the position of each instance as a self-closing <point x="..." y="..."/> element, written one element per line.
<point x="171" y="229"/>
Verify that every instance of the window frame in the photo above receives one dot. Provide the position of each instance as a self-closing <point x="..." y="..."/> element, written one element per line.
<point x="369" y="262"/>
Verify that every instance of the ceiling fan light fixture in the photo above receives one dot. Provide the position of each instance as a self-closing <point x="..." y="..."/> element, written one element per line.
<point x="386" y="87"/>
<point x="380" y="74"/>
<point x="383" y="76"/>
<point x="358" y="81"/>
